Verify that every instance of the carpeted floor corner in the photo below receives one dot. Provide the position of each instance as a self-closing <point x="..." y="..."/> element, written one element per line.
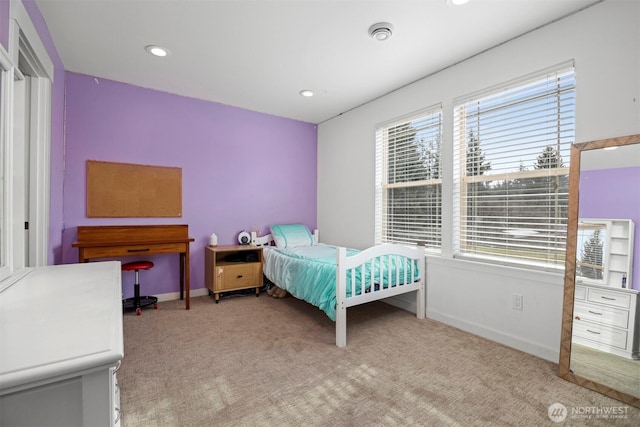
<point x="251" y="361"/>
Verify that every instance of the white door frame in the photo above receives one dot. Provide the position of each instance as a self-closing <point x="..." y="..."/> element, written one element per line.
<point x="6" y="180"/>
<point x="25" y="42"/>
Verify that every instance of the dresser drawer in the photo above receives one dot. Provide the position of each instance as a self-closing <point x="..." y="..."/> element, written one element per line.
<point x="238" y="276"/>
<point x="603" y="296"/>
<point x="601" y="314"/>
<point x="580" y="293"/>
<point x="600" y="334"/>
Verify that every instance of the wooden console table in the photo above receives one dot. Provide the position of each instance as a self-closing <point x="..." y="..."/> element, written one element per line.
<point x="113" y="241"/>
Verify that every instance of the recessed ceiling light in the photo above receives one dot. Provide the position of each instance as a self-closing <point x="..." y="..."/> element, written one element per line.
<point x="457" y="2"/>
<point x="307" y="93"/>
<point x="157" y="50"/>
<point x="381" y="31"/>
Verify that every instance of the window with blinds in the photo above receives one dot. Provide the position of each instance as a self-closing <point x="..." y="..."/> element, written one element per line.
<point x="591" y="259"/>
<point x="409" y="180"/>
<point x="511" y="162"/>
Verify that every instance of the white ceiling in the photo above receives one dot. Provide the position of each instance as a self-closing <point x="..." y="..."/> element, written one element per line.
<point x="259" y="55"/>
<point x="627" y="156"/>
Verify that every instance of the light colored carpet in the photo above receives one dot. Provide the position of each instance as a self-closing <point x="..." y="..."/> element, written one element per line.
<point x="618" y="372"/>
<point x="251" y="361"/>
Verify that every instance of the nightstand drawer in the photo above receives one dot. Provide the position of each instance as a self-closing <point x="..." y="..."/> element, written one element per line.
<point x="236" y="276"/>
<point x="601" y="314"/>
<point x="604" y="296"/>
<point x="600" y="334"/>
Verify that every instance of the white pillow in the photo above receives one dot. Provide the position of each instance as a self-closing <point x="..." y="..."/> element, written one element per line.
<point x="291" y="235"/>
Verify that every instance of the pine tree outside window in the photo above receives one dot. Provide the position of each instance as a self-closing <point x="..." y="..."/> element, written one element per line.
<point x="511" y="166"/>
<point x="590" y="260"/>
<point x="409" y="180"/>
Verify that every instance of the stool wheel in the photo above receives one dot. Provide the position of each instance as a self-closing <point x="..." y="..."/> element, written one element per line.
<point x="138" y="311"/>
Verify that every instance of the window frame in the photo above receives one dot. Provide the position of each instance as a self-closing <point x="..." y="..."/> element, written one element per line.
<point x="604" y="257"/>
<point x="382" y="184"/>
<point x="461" y="178"/>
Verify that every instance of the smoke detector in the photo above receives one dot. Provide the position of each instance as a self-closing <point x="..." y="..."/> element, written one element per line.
<point x="381" y="31"/>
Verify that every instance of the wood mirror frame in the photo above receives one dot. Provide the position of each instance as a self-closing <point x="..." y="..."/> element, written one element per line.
<point x="564" y="370"/>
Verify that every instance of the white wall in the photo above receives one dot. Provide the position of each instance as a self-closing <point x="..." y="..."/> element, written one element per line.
<point x="604" y="41"/>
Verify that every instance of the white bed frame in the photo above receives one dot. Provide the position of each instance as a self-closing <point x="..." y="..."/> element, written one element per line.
<point x="375" y="254"/>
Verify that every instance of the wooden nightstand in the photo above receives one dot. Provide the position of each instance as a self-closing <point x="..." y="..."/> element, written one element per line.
<point x="232" y="267"/>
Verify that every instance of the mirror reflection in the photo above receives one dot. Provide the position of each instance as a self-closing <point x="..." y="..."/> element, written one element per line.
<point x="605" y="336"/>
<point x="591" y="255"/>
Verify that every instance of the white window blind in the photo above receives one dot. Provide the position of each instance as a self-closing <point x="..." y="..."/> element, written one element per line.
<point x="512" y="166"/>
<point x="409" y="180"/>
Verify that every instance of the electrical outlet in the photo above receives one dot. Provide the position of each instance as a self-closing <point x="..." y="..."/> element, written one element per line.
<point x="516" y="302"/>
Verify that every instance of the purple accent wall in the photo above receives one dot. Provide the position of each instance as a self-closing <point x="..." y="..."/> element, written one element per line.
<point x="618" y="197"/>
<point x="4" y="24"/>
<point x="240" y="169"/>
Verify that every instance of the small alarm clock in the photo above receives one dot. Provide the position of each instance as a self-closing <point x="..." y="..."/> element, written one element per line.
<point x="244" y="238"/>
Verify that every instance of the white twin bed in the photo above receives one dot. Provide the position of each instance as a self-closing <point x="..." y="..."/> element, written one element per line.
<point x="336" y="278"/>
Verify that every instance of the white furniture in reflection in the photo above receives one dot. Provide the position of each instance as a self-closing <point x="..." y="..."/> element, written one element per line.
<point x="61" y="341"/>
<point x="607" y="319"/>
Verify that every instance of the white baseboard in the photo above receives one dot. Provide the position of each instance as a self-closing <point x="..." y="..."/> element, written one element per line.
<point x="176" y="295"/>
<point x="536" y="349"/>
<point x="518" y="343"/>
<point x="550" y="354"/>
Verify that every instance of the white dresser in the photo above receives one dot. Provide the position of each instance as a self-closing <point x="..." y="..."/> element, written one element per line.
<point x="606" y="318"/>
<point x="61" y="341"/>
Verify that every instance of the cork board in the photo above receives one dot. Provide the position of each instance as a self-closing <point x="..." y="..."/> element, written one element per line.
<point x="124" y="190"/>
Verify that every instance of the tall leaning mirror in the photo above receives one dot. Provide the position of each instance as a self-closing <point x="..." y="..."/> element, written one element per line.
<point x="600" y="341"/>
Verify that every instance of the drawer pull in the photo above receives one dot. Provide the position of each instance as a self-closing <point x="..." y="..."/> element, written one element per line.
<point x="595" y="312"/>
<point x="138" y="250"/>
<point x="593" y="332"/>
<point x="607" y="298"/>
<point x="239" y="276"/>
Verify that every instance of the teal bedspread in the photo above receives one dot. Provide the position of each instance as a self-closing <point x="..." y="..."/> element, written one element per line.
<point x="309" y="273"/>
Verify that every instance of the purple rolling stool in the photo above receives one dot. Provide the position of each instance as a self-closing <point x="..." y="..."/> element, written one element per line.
<point x="138" y="302"/>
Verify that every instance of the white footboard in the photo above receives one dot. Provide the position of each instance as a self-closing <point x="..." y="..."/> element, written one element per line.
<point x="379" y="272"/>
